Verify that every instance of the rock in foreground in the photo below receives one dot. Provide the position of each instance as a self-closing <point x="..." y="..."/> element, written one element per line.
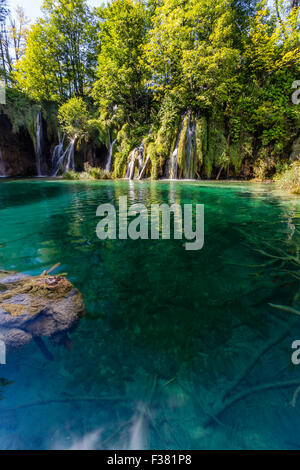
<point x="35" y="307"/>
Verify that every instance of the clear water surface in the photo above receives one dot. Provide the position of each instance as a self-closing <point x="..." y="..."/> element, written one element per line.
<point x="178" y="349"/>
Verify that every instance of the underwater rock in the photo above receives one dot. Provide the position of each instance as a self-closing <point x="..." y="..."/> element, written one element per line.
<point x="35" y="307"/>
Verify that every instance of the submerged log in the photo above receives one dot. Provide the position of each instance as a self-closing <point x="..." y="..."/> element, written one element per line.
<point x="35" y="307"/>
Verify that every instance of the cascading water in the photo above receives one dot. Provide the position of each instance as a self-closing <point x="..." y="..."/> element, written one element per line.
<point x="136" y="158"/>
<point x="64" y="159"/>
<point x="174" y="165"/>
<point x="110" y="152"/>
<point x="141" y="156"/>
<point x="174" y="161"/>
<point x="39" y="144"/>
<point x="142" y="162"/>
<point x="188" y="151"/>
<point x="57" y="152"/>
<point x="131" y="165"/>
<point x="190" y="147"/>
<point x="143" y="170"/>
<point x="70" y="158"/>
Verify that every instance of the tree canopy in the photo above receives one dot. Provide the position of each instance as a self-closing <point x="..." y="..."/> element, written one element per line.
<point x="61" y="52"/>
<point x="139" y="66"/>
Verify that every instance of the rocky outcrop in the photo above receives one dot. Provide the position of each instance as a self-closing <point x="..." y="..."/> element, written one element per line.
<point x="17" y="154"/>
<point x="94" y="155"/>
<point x="35" y="307"/>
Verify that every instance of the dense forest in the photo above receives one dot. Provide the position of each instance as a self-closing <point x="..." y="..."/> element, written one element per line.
<point x="158" y="88"/>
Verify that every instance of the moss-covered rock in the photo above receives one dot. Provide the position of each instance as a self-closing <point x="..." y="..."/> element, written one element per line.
<point x="36" y="307"/>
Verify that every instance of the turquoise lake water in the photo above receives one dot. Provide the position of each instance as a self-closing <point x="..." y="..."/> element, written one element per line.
<point x="178" y="349"/>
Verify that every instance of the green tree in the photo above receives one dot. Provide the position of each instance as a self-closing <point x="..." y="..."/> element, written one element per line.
<point x="39" y="73"/>
<point x="61" y="52"/>
<point x="121" y="73"/>
<point x="73" y="117"/>
<point x="271" y="63"/>
<point x="190" y="50"/>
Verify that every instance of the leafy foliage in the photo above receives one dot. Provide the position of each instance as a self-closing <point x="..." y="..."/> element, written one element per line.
<point x="131" y="71"/>
<point x="89" y="173"/>
<point x="121" y="71"/>
<point x="61" y="52"/>
<point x="73" y="117"/>
<point x="290" y="178"/>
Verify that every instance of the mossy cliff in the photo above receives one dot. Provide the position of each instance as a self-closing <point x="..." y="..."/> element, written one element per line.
<point x="35" y="307"/>
<point x="201" y="146"/>
<point x="19" y="138"/>
<point x="18" y="133"/>
<point x="176" y="144"/>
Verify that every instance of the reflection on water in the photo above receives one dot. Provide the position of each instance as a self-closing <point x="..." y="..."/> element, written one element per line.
<point x="179" y="350"/>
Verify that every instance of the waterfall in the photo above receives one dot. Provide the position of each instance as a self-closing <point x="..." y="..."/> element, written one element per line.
<point x="190" y="148"/>
<point x="174" y="165"/>
<point x="57" y="152"/>
<point x="110" y="152"/>
<point x="64" y="160"/>
<point x="188" y="152"/>
<point x="143" y="170"/>
<point x="131" y="165"/>
<point x="136" y="157"/>
<point x="71" y="158"/>
<point x="173" y="161"/>
<point x="39" y="144"/>
<point x="141" y="156"/>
